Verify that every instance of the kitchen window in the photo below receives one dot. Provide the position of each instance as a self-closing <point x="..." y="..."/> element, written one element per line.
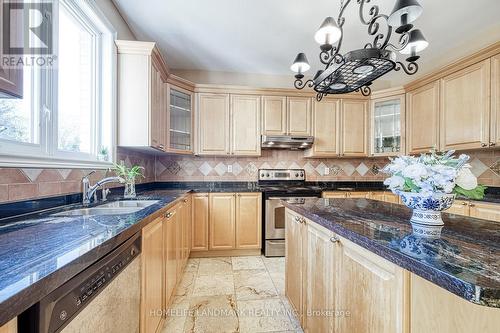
<point x="65" y="116"/>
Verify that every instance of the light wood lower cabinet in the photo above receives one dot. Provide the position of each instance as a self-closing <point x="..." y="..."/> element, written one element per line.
<point x="484" y="210"/>
<point x="200" y="222"/>
<point x="459" y="207"/>
<point x="357" y="290"/>
<point x="248" y="221"/>
<point x="320" y="280"/>
<point x="221" y="221"/>
<point x="234" y="221"/>
<point x="437" y="310"/>
<point x="345" y="194"/>
<point x="10" y="327"/>
<point x="164" y="255"/>
<point x="372" y="289"/>
<point x="152" y="289"/>
<point x="295" y="263"/>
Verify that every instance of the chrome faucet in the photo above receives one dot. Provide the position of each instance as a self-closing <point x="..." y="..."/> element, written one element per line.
<point x="89" y="191"/>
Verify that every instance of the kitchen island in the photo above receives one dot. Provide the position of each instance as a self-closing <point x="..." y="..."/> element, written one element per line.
<point x="354" y="265"/>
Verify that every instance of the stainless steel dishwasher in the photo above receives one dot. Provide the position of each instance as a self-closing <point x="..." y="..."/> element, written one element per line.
<point x="105" y="297"/>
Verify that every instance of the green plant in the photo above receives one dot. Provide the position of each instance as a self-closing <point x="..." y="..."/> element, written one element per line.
<point x="129" y="174"/>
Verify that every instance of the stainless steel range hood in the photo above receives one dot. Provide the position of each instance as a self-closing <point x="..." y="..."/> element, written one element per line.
<point x="286" y="142"/>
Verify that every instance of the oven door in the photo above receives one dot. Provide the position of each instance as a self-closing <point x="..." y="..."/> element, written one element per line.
<point x="275" y="218"/>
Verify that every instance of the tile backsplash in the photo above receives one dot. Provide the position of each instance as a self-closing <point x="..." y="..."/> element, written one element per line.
<point x="21" y="184"/>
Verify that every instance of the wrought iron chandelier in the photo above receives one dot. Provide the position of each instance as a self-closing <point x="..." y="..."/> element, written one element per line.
<point x="357" y="69"/>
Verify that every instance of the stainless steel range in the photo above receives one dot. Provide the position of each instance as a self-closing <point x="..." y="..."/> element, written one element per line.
<point x="277" y="185"/>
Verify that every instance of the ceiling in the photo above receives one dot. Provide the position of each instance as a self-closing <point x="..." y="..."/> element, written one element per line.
<point x="263" y="36"/>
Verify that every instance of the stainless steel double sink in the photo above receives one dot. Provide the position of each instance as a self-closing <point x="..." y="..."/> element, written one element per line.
<point x="112" y="208"/>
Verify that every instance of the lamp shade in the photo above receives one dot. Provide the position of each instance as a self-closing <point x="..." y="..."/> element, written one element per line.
<point x="328" y="33"/>
<point x="404" y="12"/>
<point x="416" y="42"/>
<point x="300" y="64"/>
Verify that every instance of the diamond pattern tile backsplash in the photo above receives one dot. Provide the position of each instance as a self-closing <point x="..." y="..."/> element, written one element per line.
<point x="27" y="183"/>
<point x="485" y="164"/>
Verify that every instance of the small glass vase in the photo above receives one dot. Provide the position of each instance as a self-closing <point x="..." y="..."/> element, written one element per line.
<point x="129" y="192"/>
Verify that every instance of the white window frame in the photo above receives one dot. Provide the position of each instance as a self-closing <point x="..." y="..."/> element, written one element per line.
<point x="46" y="154"/>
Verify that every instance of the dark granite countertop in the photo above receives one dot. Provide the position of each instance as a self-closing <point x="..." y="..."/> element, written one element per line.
<point x="39" y="252"/>
<point x="465" y="260"/>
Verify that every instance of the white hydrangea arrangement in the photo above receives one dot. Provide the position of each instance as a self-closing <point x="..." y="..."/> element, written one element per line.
<point x="433" y="173"/>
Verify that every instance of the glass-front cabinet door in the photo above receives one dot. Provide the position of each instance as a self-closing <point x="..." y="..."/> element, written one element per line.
<point x="180" y="120"/>
<point x="387" y="126"/>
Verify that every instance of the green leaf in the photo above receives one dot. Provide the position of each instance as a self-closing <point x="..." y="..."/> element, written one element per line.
<point x="410" y="186"/>
<point x="476" y="194"/>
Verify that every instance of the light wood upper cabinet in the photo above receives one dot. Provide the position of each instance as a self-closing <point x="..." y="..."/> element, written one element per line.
<point x="274" y="115"/>
<point x="199" y="230"/>
<point x="320" y="279"/>
<point x="245" y="125"/>
<point x="372" y="289"/>
<point x="354" y="128"/>
<point x="152" y="275"/>
<point x="422" y="114"/>
<point x="325" y="129"/>
<point x="213" y="124"/>
<point x="222" y="221"/>
<point x="387" y="126"/>
<point x="465" y="108"/>
<point x="180" y="120"/>
<point x="495" y="102"/>
<point x="299" y="116"/>
<point x="484" y="210"/>
<point x="142" y="96"/>
<point x="248" y="220"/>
<point x="295" y="262"/>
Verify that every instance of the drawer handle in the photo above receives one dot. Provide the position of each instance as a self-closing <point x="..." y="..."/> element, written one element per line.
<point x="185" y="200"/>
<point x="471" y="204"/>
<point x="492" y="144"/>
<point x="334" y="239"/>
<point x="484" y="145"/>
<point x="464" y="203"/>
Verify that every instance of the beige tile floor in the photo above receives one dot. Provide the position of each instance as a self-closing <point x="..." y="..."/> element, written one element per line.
<point x="232" y="294"/>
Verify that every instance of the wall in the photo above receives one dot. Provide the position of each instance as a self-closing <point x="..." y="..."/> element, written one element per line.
<point x="485" y="164"/>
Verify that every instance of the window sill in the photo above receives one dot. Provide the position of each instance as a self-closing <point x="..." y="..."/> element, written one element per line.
<point x="7" y="161"/>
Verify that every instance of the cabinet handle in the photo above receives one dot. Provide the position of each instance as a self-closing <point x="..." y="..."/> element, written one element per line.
<point x="302" y="220"/>
<point x="185" y="200"/>
<point x="492" y="144"/>
<point x="334" y="239"/>
<point x="464" y="203"/>
<point x="484" y="145"/>
<point x="471" y="204"/>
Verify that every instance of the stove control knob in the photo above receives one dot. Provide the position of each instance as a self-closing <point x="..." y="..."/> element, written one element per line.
<point x="267" y="175"/>
<point x="262" y="175"/>
<point x="296" y="175"/>
<point x="301" y="174"/>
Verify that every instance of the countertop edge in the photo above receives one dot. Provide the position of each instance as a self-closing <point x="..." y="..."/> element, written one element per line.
<point x="467" y="291"/>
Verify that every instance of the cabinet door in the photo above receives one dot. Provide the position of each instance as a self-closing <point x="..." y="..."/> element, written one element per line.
<point x="245" y="125"/>
<point x="189" y="224"/>
<point x="422" y="124"/>
<point x="354" y="128"/>
<point x="273" y="115"/>
<point x="486" y="211"/>
<point x="320" y="280"/>
<point x="465" y="108"/>
<point x="221" y="222"/>
<point x="325" y="121"/>
<point x="359" y="194"/>
<point x="213" y="124"/>
<point x="152" y="275"/>
<point x="387" y="126"/>
<point x="495" y="101"/>
<point x="248" y="220"/>
<point x="179" y="240"/>
<point x="171" y="244"/>
<point x="11" y="80"/>
<point x="372" y="289"/>
<point x="294" y="262"/>
<point x="180" y="120"/>
<point x="459" y="207"/>
<point x="299" y="116"/>
<point x="391" y="197"/>
<point x="9" y="327"/>
<point x="199" y="230"/>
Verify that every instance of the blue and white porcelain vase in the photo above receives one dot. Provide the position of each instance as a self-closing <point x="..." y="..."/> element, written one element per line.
<point x="427" y="208"/>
